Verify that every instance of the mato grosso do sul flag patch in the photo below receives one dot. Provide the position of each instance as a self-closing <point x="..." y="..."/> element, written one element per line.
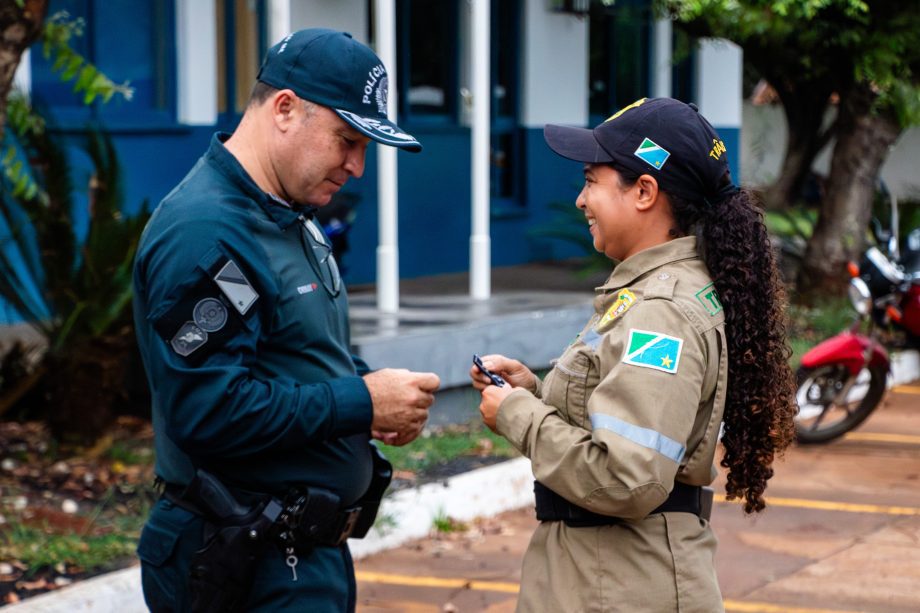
<point x="653" y="350"/>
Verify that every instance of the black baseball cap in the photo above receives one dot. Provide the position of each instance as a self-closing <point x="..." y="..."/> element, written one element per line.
<point x="331" y="68"/>
<point x="662" y="137"/>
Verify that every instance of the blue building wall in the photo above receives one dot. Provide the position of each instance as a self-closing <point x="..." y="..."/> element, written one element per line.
<point x="434" y="196"/>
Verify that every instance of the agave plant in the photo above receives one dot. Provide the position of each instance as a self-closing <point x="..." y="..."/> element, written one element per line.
<point x="77" y="294"/>
<point x="74" y="294"/>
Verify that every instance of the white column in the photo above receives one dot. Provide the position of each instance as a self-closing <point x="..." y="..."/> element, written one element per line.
<point x="719" y="68"/>
<point x="279" y="20"/>
<point x="661" y="58"/>
<point x="480" y="243"/>
<point x="196" y="50"/>
<point x="388" y="237"/>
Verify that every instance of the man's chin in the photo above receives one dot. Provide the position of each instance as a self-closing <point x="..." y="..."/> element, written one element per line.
<point x="320" y="199"/>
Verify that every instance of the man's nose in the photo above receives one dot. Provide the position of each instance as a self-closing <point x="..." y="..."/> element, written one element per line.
<point x="580" y="201"/>
<point x="354" y="162"/>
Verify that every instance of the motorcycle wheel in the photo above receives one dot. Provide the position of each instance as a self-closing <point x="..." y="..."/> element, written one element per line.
<point x="821" y="417"/>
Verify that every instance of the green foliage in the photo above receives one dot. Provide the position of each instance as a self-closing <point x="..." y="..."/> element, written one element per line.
<point x="36" y="548"/>
<point x="809" y="325"/>
<point x="84" y="290"/>
<point x="443" y="524"/>
<point x="840" y="41"/>
<point x="568" y="224"/>
<point x="439" y="446"/>
<point x="792" y="222"/>
<point x="88" y="286"/>
<point x="58" y="31"/>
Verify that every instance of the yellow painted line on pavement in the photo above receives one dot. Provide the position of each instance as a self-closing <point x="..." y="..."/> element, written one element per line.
<point x="906" y="389"/>
<point x="829" y="505"/>
<point x="882" y="437"/>
<point x="763" y="607"/>
<point x="514" y="588"/>
<point x="414" y="581"/>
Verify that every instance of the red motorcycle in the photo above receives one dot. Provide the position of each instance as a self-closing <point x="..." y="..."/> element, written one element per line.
<point x="843" y="379"/>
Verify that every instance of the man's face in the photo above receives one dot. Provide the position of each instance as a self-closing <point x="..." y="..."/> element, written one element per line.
<point x="608" y="208"/>
<point x="316" y="155"/>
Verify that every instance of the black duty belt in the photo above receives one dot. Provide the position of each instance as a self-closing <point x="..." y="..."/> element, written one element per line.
<point x="683" y="499"/>
<point x="318" y="523"/>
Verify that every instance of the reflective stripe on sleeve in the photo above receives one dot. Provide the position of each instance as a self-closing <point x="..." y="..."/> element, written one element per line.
<point x="650" y="439"/>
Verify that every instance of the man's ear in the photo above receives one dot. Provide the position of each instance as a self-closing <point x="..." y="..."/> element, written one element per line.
<point x="646" y="192"/>
<point x="285" y="106"/>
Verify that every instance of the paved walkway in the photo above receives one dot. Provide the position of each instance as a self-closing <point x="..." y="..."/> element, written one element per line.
<point x="841" y="535"/>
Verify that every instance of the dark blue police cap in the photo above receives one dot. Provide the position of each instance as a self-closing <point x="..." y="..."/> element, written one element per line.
<point x="661" y="137"/>
<point x="332" y="69"/>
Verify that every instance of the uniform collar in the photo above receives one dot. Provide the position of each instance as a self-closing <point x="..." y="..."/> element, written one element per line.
<point x="633" y="267"/>
<point x="279" y="211"/>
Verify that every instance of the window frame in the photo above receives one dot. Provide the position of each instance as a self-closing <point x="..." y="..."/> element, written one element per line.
<point x="414" y="118"/>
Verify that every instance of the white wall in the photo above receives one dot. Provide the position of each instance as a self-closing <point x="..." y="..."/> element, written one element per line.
<point x="662" y="58"/>
<point x="196" y="61"/>
<point x="346" y="15"/>
<point x="763" y="144"/>
<point x="554" y="66"/>
<point x="719" y="67"/>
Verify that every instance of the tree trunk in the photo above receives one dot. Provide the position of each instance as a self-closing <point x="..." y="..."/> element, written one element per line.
<point x="805" y="108"/>
<point x="863" y="142"/>
<point x="19" y="28"/>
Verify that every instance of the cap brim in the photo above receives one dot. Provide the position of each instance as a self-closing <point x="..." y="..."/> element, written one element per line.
<point x="576" y="144"/>
<point x="383" y="131"/>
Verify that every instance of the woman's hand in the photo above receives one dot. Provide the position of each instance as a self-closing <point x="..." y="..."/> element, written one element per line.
<point x="512" y="371"/>
<point x="492" y="397"/>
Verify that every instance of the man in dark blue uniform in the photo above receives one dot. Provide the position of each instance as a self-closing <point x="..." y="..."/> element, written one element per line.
<point x="242" y="322"/>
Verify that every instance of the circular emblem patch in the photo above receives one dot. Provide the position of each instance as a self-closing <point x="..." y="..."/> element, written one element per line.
<point x="210" y="314"/>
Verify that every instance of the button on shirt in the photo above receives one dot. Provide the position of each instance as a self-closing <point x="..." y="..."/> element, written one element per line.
<point x="245" y="339"/>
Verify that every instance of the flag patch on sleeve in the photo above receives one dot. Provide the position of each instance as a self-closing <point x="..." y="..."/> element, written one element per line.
<point x="653" y="350"/>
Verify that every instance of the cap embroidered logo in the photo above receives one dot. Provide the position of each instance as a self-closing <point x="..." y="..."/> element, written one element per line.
<point x="651" y="153"/>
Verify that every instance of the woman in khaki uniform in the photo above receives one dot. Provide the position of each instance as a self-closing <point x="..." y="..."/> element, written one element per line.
<point x="687" y="334"/>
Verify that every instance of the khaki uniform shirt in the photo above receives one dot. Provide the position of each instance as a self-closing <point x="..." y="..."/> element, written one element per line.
<point x="633" y="404"/>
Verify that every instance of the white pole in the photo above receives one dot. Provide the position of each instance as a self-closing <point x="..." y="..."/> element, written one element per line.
<point x="480" y="243"/>
<point x="387" y="242"/>
<point x="661" y="56"/>
<point x="279" y="20"/>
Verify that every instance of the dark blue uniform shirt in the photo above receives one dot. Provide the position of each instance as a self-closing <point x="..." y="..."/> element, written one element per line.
<point x="245" y="344"/>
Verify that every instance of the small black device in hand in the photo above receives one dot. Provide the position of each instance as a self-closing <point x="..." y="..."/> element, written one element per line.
<point x="496" y="380"/>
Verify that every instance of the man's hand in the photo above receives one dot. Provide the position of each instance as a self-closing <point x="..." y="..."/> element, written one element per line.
<point x="401" y="399"/>
<point x="512" y="371"/>
<point x="492" y="397"/>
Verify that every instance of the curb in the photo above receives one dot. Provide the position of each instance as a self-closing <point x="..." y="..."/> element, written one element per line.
<point x="905" y="367"/>
<point x="479" y="493"/>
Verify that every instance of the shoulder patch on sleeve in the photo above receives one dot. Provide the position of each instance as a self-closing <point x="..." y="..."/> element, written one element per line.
<point x="233" y="283"/>
<point x="710" y="299"/>
<point x="625" y="299"/>
<point x="189" y="338"/>
<point x="653" y="350"/>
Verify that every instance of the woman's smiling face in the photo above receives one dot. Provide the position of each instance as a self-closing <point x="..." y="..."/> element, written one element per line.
<point x="608" y="207"/>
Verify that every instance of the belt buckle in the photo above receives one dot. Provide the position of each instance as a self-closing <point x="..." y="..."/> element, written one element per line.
<point x="351" y="518"/>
